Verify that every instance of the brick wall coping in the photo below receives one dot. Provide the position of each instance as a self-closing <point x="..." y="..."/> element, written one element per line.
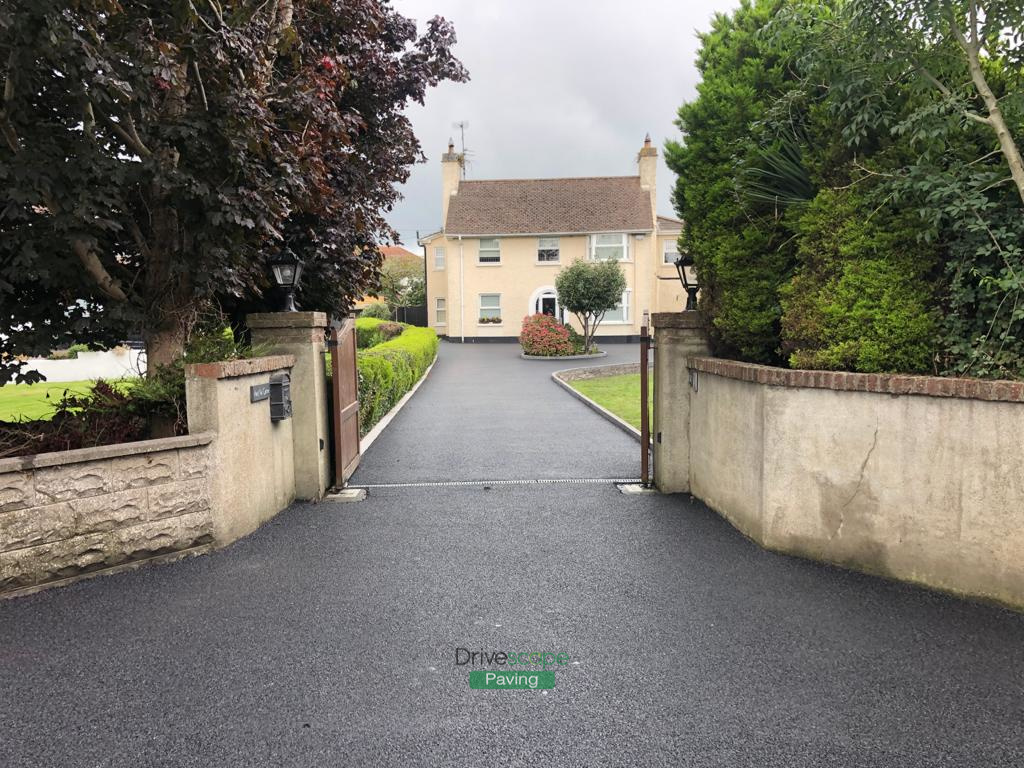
<point x="58" y="458"/>
<point x="881" y="383"/>
<point x="230" y="369"/>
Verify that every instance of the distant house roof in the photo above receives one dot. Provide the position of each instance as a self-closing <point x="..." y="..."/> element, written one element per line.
<point x="398" y="252"/>
<point x="555" y="206"/>
<point x="669" y="224"/>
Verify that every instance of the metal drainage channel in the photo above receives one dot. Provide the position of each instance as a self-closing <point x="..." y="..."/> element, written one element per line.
<point x="489" y="483"/>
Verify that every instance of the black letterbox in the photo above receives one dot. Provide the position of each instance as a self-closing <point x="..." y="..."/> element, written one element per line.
<point x="280" y="397"/>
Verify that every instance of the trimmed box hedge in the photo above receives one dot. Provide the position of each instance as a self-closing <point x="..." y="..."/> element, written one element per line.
<point x="388" y="369"/>
<point x="371" y="331"/>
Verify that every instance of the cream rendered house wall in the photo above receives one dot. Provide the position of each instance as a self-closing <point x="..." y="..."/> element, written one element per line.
<point x="518" y="278"/>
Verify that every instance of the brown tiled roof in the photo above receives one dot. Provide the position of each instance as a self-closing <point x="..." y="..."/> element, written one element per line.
<point x="669" y="224"/>
<point x="556" y="206"/>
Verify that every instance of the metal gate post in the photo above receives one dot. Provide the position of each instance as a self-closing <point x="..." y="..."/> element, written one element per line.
<point x="645" y="426"/>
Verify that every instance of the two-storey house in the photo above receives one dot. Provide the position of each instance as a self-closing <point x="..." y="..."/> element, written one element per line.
<point x="504" y="241"/>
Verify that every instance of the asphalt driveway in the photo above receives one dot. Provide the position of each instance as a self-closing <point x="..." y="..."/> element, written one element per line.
<point x="484" y="413"/>
<point x="328" y="637"/>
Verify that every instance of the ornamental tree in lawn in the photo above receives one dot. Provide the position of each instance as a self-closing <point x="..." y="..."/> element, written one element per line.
<point x="153" y="155"/>
<point x="588" y="290"/>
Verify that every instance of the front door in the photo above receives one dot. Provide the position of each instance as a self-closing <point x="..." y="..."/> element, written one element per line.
<point x="547" y="305"/>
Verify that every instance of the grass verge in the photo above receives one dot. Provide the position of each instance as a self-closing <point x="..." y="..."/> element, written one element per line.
<point x="618" y="394"/>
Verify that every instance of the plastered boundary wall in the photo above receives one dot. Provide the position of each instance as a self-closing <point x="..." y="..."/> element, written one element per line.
<point x="914" y="478"/>
<point x="74" y="514"/>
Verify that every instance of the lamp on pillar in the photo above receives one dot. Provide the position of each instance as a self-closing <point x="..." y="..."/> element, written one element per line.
<point x="287" y="269"/>
<point x="684" y="263"/>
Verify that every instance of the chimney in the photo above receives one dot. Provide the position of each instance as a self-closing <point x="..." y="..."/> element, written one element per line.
<point x="647" y="165"/>
<point x="451" y="172"/>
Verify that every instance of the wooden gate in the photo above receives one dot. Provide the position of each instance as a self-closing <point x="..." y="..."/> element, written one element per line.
<point x="344" y="400"/>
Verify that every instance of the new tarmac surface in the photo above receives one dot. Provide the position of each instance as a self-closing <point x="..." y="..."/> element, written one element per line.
<point x="328" y="637"/>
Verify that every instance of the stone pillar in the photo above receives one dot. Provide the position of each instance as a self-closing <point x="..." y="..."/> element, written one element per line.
<point x="677" y="336"/>
<point x="302" y="334"/>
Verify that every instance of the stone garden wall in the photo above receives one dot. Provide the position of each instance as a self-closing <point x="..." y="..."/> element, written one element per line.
<point x="72" y="514"/>
<point x="67" y="514"/>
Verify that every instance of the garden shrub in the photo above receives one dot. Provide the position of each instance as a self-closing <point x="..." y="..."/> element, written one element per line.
<point x="378" y="310"/>
<point x="862" y="297"/>
<point x="371" y="331"/>
<point x="543" y="336"/>
<point x="390" y="369"/>
<point x="71" y="353"/>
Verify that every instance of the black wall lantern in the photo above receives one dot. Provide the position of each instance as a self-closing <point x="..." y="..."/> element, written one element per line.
<point x="684" y="262"/>
<point x="287" y="269"/>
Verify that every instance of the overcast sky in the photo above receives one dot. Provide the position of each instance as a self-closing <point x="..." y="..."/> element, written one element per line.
<point x="557" y="88"/>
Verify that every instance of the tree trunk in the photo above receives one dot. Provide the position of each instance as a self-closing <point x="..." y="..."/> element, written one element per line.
<point x="163" y="347"/>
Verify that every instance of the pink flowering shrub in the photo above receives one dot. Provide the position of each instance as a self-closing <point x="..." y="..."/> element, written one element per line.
<point x="544" y="336"/>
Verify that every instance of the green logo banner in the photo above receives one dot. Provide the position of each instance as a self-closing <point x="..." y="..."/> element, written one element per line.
<point x="483" y="679"/>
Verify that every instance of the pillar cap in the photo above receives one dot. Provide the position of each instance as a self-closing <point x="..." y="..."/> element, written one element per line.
<point x="691" y="319"/>
<point x="287" y="320"/>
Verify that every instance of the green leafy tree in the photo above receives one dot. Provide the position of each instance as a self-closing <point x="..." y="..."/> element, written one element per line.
<point x="154" y="154"/>
<point x="861" y="298"/>
<point x="589" y="290"/>
<point x="741" y="260"/>
<point x="401" y="282"/>
<point x="931" y="96"/>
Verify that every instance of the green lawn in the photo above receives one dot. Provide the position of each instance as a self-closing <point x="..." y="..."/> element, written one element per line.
<point x="619" y="394"/>
<point x="36" y="401"/>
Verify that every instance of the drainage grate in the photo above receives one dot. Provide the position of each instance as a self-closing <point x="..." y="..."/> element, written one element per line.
<point x="537" y="481"/>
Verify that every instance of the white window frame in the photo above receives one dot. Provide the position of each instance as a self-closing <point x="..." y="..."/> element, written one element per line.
<point x="624" y="305"/>
<point x="481" y="308"/>
<point x="674" y="246"/>
<point x="592" y="246"/>
<point x="439" y="258"/>
<point x="440" y="310"/>
<point x="496" y="250"/>
<point x="557" y="248"/>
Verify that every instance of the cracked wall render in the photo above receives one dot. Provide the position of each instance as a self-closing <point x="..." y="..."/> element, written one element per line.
<point x="923" y="489"/>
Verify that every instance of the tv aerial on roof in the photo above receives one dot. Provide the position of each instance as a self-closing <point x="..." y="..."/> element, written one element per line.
<point x="462" y="125"/>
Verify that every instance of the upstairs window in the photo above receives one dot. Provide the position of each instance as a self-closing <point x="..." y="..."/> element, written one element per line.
<point x="670" y="252"/>
<point x="547" y="250"/>
<point x="490" y="251"/>
<point x="439" y="258"/>
<point x="609" y="247"/>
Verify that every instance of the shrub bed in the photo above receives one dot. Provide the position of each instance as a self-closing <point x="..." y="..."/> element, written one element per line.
<point x="544" y="336"/>
<point x="389" y="369"/>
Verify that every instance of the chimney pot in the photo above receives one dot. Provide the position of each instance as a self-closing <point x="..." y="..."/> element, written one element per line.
<point x="647" y="140"/>
<point x="451" y="145"/>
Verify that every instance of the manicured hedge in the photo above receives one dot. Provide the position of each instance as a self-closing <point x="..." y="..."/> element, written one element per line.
<point x="390" y="369"/>
<point x="371" y="331"/>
